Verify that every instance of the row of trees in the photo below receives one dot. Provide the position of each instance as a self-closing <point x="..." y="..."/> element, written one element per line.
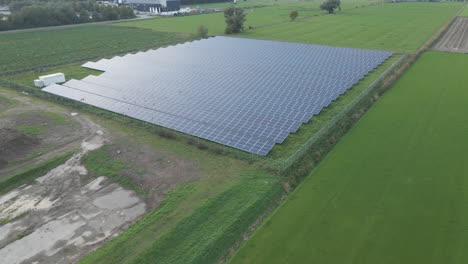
<point x="28" y="14"/>
<point x="197" y="2"/>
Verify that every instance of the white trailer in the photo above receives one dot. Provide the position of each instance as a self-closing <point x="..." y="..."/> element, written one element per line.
<point x="50" y="79"/>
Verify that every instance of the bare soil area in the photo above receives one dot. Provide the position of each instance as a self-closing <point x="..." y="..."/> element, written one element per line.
<point x="154" y="171"/>
<point x="31" y="133"/>
<point x="456" y="37"/>
<point x="59" y="217"/>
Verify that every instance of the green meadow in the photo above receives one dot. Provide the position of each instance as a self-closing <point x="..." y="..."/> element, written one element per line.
<point x="400" y="27"/>
<point x="394" y="188"/>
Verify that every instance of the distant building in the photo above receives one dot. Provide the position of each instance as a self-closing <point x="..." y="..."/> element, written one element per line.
<point x="152" y="5"/>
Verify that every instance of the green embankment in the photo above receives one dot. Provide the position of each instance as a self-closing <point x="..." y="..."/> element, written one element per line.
<point x="394" y="26"/>
<point x="394" y="188"/>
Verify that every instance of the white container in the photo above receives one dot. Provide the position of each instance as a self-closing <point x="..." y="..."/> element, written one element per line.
<point x="52" y="78"/>
<point x="38" y="83"/>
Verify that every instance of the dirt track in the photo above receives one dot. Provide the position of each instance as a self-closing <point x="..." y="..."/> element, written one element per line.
<point x="456" y="37"/>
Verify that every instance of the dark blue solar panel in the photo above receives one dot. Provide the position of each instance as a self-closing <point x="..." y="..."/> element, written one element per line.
<point x="244" y="93"/>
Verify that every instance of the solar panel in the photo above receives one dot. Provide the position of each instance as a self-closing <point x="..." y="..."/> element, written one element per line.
<point x="244" y="93"/>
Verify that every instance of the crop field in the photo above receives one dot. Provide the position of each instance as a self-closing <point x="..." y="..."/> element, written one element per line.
<point x="392" y="190"/>
<point x="276" y="12"/>
<point x="398" y="27"/>
<point x="28" y="50"/>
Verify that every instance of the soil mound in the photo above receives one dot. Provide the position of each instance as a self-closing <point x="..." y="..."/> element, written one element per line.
<point x="13" y="144"/>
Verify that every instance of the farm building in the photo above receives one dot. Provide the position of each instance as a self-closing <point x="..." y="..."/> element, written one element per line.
<point x="149" y="5"/>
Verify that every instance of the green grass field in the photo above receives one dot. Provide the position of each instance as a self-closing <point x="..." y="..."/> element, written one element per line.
<point x="394" y="188"/>
<point x="396" y="27"/>
<point x="276" y="12"/>
<point x="27" y="50"/>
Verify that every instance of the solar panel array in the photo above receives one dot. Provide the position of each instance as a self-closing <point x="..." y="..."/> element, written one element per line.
<point x="244" y="93"/>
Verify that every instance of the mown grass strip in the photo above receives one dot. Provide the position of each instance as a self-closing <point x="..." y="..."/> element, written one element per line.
<point x="31" y="174"/>
<point x="202" y="237"/>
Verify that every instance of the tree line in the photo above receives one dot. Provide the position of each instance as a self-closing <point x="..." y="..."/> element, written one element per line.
<point x="33" y="13"/>
<point x="196" y="2"/>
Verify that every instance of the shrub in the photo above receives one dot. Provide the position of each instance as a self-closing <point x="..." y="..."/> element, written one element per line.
<point x="293" y="15"/>
<point x="202" y="31"/>
<point x="331" y="5"/>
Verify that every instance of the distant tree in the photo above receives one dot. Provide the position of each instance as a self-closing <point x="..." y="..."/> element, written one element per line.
<point x="202" y="31"/>
<point x="293" y="15"/>
<point x="38" y="13"/>
<point x="331" y="5"/>
<point x="126" y="12"/>
<point x="84" y="16"/>
<point x="235" y="18"/>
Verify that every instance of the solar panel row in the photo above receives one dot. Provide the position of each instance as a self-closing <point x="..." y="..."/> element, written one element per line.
<point x="244" y="93"/>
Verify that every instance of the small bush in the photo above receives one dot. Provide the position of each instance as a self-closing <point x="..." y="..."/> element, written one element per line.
<point x="202" y="31"/>
<point x="191" y="141"/>
<point x="293" y="15"/>
<point x="201" y="145"/>
<point x="219" y="151"/>
<point x="167" y="134"/>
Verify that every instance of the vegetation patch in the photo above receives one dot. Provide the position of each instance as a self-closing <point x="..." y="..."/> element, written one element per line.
<point x="99" y="162"/>
<point x="8" y="220"/>
<point x="27" y="176"/>
<point x="31" y="130"/>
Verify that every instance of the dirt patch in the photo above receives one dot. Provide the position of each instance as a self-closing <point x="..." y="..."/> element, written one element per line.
<point x="60" y="218"/>
<point x="154" y="171"/>
<point x="455" y="38"/>
<point x="14" y="144"/>
<point x="31" y="133"/>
